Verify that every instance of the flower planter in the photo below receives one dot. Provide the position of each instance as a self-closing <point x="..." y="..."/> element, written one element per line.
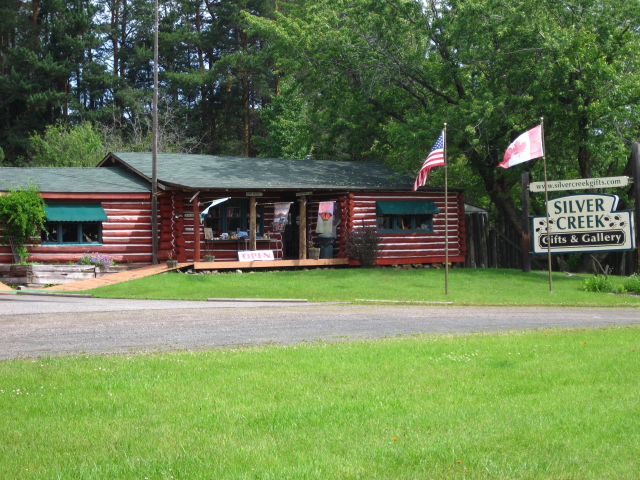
<point x="314" y="254"/>
<point x="209" y="258"/>
<point x="54" y="274"/>
<point x="172" y="263"/>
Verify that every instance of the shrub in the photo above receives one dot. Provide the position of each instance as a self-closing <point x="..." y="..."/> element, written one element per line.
<point x="632" y="284"/>
<point x="363" y="245"/>
<point x="22" y="217"/>
<point x="599" y="283"/>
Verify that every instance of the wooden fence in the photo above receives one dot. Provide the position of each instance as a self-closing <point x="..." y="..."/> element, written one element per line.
<point x="497" y="245"/>
<point x="489" y="245"/>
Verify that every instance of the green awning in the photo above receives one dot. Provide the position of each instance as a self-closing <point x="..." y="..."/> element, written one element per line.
<point x="75" y="212"/>
<point x="409" y="207"/>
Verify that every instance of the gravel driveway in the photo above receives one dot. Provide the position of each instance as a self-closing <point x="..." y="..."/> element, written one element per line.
<point x="36" y="326"/>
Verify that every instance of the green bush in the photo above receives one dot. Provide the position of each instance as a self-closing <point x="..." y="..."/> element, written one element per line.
<point x="632" y="284"/>
<point x="599" y="283"/>
<point x="22" y="217"/>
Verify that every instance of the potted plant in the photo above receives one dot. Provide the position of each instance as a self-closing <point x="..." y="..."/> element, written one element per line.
<point x="209" y="258"/>
<point x="171" y="263"/>
<point x="313" y="250"/>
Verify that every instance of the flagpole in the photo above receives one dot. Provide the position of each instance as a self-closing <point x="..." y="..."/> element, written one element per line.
<point x="546" y="199"/>
<point x="446" y="216"/>
<point x="154" y="146"/>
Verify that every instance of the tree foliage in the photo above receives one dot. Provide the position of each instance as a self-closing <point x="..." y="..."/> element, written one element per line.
<point x="70" y="61"/>
<point x="64" y="146"/>
<point x="343" y="80"/>
<point x="489" y="69"/>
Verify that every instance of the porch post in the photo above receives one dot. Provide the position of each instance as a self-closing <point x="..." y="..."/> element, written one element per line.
<point x="196" y="229"/>
<point x="302" y="248"/>
<point x="252" y="223"/>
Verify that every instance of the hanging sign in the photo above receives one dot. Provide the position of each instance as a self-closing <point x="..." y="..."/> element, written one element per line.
<point x="255" y="255"/>
<point x="584" y="223"/>
<point x="280" y="216"/>
<point x="325" y="218"/>
<point x="580" y="184"/>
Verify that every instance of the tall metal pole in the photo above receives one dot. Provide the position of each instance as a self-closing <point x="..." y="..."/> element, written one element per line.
<point x="546" y="200"/>
<point x="525" y="243"/>
<point x="446" y="216"/>
<point x="154" y="148"/>
<point x="635" y="157"/>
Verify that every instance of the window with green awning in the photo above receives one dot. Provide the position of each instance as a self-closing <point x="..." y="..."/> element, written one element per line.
<point x="73" y="223"/>
<point x="405" y="216"/>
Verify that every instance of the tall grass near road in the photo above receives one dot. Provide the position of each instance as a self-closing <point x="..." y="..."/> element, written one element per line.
<point x="547" y="404"/>
<point x="466" y="287"/>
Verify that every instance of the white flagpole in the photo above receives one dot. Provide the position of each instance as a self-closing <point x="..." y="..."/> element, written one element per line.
<point x="546" y="199"/>
<point x="446" y="215"/>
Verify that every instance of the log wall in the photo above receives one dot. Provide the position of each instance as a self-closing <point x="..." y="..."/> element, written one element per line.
<point x="359" y="210"/>
<point x="126" y="235"/>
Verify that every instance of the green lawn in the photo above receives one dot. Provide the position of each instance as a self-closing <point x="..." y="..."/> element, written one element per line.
<point x="466" y="287"/>
<point x="545" y="404"/>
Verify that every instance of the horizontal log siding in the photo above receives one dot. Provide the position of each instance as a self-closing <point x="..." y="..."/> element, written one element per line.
<point x="404" y="248"/>
<point x="126" y="236"/>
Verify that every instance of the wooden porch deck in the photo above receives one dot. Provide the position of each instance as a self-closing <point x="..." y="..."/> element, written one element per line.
<point x="233" y="265"/>
<point x="119" y="277"/>
<point x="115" y="278"/>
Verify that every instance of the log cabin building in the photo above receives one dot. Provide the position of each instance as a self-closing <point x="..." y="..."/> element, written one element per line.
<point x="107" y="209"/>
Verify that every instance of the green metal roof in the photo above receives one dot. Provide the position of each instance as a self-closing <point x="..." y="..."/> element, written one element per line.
<point x="201" y="172"/>
<point x="408" y="207"/>
<point x="74" y="180"/>
<point x="75" y="212"/>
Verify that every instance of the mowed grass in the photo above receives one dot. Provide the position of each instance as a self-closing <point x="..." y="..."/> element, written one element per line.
<point x="466" y="287"/>
<point x="545" y="404"/>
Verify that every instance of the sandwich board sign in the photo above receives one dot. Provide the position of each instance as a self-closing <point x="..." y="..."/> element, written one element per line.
<point x="584" y="223"/>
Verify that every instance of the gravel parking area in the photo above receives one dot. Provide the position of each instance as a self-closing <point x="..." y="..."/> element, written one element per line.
<point x="36" y="326"/>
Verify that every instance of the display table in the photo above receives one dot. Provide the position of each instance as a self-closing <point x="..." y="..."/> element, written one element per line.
<point x="241" y="244"/>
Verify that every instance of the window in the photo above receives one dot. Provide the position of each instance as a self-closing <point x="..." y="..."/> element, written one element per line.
<point x="405" y="216"/>
<point x="72" y="232"/>
<point x="72" y="223"/>
<point x="232" y="216"/>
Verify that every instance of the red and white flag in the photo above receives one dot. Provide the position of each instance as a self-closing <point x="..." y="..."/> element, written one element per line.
<point x="524" y="148"/>
<point x="434" y="159"/>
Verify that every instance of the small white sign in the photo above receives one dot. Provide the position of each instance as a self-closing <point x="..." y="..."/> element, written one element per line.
<point x="584" y="223"/>
<point x="580" y="184"/>
<point x="255" y="255"/>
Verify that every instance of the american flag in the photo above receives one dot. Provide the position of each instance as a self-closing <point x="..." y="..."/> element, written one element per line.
<point x="434" y="159"/>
